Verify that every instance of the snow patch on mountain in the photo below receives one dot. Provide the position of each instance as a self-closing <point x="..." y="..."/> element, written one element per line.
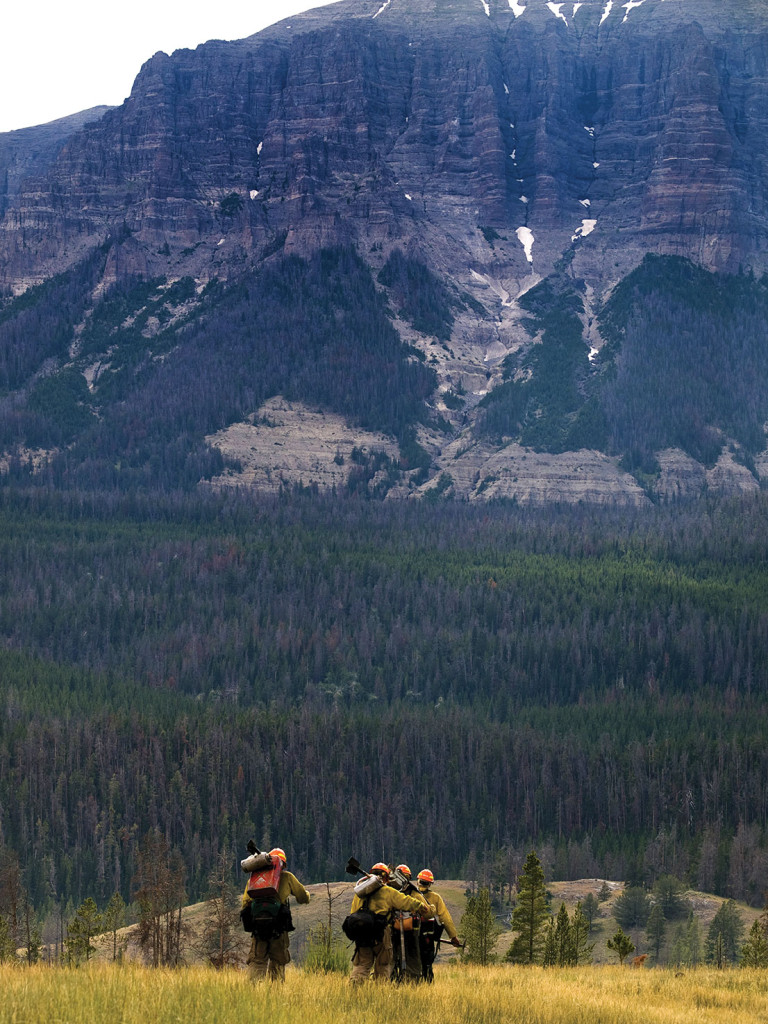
<point x="526" y="239"/>
<point x="587" y="227"/>
<point x="557" y="11"/>
<point x="628" y="7"/>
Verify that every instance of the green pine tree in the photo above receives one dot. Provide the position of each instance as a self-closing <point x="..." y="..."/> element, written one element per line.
<point x="81" y="930"/>
<point x="549" y="956"/>
<point x="754" y="952"/>
<point x="7" y="945"/>
<point x="693" y="940"/>
<point x="632" y="908"/>
<point x="656" y="930"/>
<point x="724" y="935"/>
<point x="685" y="950"/>
<point x="563" y="942"/>
<point x="480" y="928"/>
<point x="34" y="946"/>
<point x="621" y="945"/>
<point x="531" y="913"/>
<point x="669" y="894"/>
<point x="581" y="948"/>
<point x="113" y="920"/>
<point x="590" y="908"/>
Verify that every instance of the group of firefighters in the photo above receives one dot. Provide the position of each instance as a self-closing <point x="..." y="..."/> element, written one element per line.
<point x="414" y="915"/>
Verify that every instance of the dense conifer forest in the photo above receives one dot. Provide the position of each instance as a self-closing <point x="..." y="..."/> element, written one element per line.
<point x="441" y="682"/>
<point x="683" y="365"/>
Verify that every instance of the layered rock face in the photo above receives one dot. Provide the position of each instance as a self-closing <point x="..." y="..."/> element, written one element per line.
<point x="29" y="152"/>
<point x="494" y="141"/>
<point x="598" y="130"/>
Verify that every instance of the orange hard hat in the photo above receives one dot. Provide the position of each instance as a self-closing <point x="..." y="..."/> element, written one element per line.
<point x="380" y="869"/>
<point x="426" y="876"/>
<point x="404" y="870"/>
<point x="277" y="852"/>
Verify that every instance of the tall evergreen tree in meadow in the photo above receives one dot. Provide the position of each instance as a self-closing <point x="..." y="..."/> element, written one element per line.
<point x="531" y="913"/>
<point x="590" y="908"/>
<point x="754" y="952"/>
<point x="113" y="919"/>
<point x="693" y="940"/>
<point x="480" y="928"/>
<point x="632" y="908"/>
<point x="581" y="948"/>
<point x="724" y="935"/>
<point x="7" y="945"/>
<point x="549" y="956"/>
<point x="86" y="924"/>
<point x="669" y="894"/>
<point x="621" y="945"/>
<point x="656" y="930"/>
<point x="686" y="947"/>
<point x="563" y="937"/>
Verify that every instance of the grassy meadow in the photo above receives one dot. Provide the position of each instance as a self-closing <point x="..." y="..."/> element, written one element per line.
<point x="494" y="995"/>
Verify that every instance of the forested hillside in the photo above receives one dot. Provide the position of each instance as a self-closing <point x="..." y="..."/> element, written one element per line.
<point x="428" y="682"/>
<point x="124" y="394"/>
<point x="167" y="363"/>
<point x="683" y="365"/>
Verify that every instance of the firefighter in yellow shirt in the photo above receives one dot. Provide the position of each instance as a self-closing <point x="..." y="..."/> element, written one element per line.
<point x="431" y="930"/>
<point x="375" y="953"/>
<point x="270" y="951"/>
<point x="406" y="958"/>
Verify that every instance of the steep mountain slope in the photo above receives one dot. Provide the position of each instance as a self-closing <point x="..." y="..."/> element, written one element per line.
<point x="465" y="151"/>
<point x="31" y="151"/>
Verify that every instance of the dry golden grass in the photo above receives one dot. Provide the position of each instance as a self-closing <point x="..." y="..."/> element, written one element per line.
<point x="496" y="995"/>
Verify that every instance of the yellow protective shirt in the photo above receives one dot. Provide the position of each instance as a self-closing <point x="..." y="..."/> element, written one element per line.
<point x="288" y="886"/>
<point x="386" y="899"/>
<point x="442" y="913"/>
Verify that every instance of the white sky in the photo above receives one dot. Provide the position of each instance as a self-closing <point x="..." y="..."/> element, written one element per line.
<point x="61" y="56"/>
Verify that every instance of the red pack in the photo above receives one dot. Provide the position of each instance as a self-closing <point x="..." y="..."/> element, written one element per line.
<point x="263" y="883"/>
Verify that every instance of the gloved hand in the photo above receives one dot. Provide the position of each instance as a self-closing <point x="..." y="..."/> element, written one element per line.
<point x="456" y="942"/>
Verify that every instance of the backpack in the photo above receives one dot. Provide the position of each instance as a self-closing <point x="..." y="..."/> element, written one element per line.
<point x="266" y="916"/>
<point x="266" y="919"/>
<point x="364" y="927"/>
<point x="263" y="883"/>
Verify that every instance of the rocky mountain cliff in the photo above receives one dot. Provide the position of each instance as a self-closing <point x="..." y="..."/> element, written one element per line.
<point x="30" y="152"/>
<point x="491" y="145"/>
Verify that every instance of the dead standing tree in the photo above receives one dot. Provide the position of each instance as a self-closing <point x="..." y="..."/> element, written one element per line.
<point x="219" y="943"/>
<point x="332" y="898"/>
<point x="159" y="892"/>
